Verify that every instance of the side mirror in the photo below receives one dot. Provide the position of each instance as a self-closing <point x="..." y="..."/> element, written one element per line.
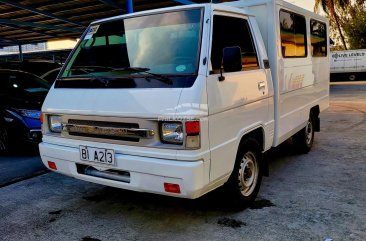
<point x="231" y="59"/>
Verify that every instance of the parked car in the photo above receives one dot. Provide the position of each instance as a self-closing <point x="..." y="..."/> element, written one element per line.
<point x="183" y="100"/>
<point x="21" y="98"/>
<point x="37" y="67"/>
<point x="51" y="75"/>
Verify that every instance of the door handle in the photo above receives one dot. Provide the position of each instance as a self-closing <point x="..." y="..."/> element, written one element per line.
<point x="261" y="85"/>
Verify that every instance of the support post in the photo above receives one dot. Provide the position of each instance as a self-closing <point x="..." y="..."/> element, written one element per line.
<point x="20" y="53"/>
<point x="129" y="6"/>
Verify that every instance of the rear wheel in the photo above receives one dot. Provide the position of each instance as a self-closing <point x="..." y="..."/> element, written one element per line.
<point x="4" y="140"/>
<point x="304" y="139"/>
<point x="245" y="180"/>
<point x="352" y="77"/>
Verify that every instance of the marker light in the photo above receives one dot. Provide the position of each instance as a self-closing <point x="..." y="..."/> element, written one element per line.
<point x="41" y="118"/>
<point x="171" y="187"/>
<point x="52" y="165"/>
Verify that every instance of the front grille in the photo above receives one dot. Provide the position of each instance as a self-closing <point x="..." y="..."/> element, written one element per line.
<point x="103" y="124"/>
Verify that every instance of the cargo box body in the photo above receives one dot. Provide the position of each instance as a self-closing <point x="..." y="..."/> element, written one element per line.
<point x="299" y="81"/>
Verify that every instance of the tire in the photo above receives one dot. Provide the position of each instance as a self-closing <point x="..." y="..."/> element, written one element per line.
<point x="4" y="140"/>
<point x="352" y="77"/>
<point x="304" y="139"/>
<point x="245" y="180"/>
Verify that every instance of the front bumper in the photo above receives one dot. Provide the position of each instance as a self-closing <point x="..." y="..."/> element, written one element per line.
<point x="146" y="174"/>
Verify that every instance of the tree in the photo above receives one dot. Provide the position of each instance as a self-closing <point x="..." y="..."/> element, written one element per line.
<point x="329" y="7"/>
<point x="355" y="26"/>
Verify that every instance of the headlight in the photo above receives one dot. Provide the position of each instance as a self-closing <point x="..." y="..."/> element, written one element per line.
<point x="54" y="123"/>
<point x="35" y="114"/>
<point x="172" y="133"/>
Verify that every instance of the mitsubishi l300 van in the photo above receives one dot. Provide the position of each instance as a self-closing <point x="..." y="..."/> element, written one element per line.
<point x="180" y="101"/>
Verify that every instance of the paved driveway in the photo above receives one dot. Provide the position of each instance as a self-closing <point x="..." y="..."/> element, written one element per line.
<point x="306" y="197"/>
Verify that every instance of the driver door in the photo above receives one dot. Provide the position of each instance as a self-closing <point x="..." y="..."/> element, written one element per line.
<point x="239" y="103"/>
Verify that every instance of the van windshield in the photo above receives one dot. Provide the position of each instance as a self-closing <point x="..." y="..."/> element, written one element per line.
<point x="160" y="50"/>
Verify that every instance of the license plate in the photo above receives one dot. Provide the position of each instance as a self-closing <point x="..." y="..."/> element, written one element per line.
<point x="99" y="155"/>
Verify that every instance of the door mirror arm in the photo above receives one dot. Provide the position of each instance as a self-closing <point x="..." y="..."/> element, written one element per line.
<point x="221" y="77"/>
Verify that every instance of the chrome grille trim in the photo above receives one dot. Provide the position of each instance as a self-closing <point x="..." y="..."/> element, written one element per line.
<point x="113" y="121"/>
<point x="109" y="131"/>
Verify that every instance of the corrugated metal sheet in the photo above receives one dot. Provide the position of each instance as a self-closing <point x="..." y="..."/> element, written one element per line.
<point x="21" y="26"/>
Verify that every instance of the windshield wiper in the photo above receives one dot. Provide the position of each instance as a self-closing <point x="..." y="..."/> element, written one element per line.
<point x="105" y="80"/>
<point x="91" y="67"/>
<point x="159" y="77"/>
<point x="86" y="70"/>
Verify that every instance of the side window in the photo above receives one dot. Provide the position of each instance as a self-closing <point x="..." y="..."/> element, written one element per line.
<point x="293" y="34"/>
<point x="318" y="34"/>
<point x="230" y="32"/>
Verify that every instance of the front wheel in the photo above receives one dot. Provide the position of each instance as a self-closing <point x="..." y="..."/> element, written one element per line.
<point x="246" y="178"/>
<point x="304" y="139"/>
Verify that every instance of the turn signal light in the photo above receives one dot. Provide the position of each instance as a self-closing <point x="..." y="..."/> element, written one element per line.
<point x="52" y="165"/>
<point x="193" y="127"/>
<point x="171" y="187"/>
<point x="193" y="130"/>
<point x="41" y="118"/>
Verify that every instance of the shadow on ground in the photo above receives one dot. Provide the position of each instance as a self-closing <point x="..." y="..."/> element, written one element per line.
<point x="214" y="201"/>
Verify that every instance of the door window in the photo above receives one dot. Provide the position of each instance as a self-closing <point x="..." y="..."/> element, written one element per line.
<point x="230" y="32"/>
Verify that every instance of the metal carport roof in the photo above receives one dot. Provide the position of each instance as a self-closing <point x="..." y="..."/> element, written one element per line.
<point x="32" y="21"/>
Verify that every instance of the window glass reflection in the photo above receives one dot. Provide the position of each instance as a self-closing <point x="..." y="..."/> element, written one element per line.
<point x="318" y="32"/>
<point x="293" y="34"/>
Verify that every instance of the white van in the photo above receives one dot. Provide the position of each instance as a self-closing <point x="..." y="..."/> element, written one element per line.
<point x="180" y="101"/>
<point x="349" y="63"/>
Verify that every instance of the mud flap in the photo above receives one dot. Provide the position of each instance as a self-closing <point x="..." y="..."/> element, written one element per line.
<point x="265" y="165"/>
<point x="317" y="123"/>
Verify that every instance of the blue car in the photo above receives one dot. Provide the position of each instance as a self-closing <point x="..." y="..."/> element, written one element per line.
<point x="21" y="98"/>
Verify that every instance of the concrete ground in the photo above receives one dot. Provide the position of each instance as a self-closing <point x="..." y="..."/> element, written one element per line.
<point x="20" y="165"/>
<point x="317" y="196"/>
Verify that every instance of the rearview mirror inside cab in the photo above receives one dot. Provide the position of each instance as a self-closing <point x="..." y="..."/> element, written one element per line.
<point x="231" y="59"/>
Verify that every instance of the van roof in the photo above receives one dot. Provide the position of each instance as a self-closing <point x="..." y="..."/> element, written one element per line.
<point x="297" y="9"/>
<point x="221" y="7"/>
<point x="235" y="6"/>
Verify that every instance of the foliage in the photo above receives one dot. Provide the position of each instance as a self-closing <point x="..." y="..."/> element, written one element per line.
<point x="330" y="8"/>
<point x="347" y="18"/>
<point x="355" y="27"/>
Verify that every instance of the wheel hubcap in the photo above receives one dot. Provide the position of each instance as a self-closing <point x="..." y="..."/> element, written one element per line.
<point x="309" y="132"/>
<point x="248" y="174"/>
